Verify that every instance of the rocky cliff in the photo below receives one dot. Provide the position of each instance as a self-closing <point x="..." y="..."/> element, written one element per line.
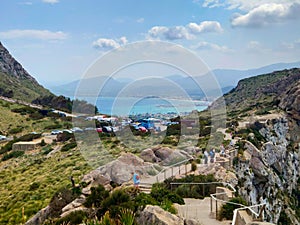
<point x="15" y="81"/>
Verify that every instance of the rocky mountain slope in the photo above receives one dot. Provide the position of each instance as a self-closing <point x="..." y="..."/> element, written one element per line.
<point x="268" y="163"/>
<point x="15" y="81"/>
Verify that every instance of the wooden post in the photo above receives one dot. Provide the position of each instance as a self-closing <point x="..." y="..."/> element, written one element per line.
<point x="203" y="192"/>
<point x="179" y="170"/>
<point x="211" y="203"/>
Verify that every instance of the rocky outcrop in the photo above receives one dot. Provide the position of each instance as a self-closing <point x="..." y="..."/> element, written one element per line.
<point x="268" y="174"/>
<point x="156" y="215"/>
<point x="76" y="205"/>
<point x="39" y="217"/>
<point x="120" y="170"/>
<point x="10" y="66"/>
<point x="164" y="155"/>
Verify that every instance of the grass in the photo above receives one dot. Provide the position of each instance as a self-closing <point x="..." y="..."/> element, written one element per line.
<point x="29" y="182"/>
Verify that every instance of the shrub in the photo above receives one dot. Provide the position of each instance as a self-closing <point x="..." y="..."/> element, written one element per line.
<point x="15" y="130"/>
<point x="73" y="218"/>
<point x="46" y="150"/>
<point x="194" y="166"/>
<point x="68" y="146"/>
<point x="98" y="194"/>
<point x="14" y="154"/>
<point x="60" y="199"/>
<point x="53" y="126"/>
<point x="127" y="217"/>
<point x="226" y="211"/>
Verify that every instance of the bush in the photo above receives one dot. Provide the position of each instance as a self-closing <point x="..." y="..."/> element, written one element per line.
<point x="226" y="211"/>
<point x="98" y="194"/>
<point x="15" y="130"/>
<point x="53" y="126"/>
<point x="14" y="154"/>
<point x="73" y="218"/>
<point x="194" y="166"/>
<point x="60" y="199"/>
<point x="68" y="146"/>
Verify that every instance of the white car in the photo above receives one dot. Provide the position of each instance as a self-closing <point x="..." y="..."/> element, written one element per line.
<point x="55" y="132"/>
<point x="2" y="137"/>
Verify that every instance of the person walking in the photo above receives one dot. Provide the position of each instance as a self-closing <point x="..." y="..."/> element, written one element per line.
<point x="136" y="180"/>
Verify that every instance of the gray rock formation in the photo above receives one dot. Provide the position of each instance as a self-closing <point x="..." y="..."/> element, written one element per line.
<point x="267" y="174"/>
<point x="39" y="217"/>
<point x="121" y="169"/>
<point x="164" y="155"/>
<point x="156" y="215"/>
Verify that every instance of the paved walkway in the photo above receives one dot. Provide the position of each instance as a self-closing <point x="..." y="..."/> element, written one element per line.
<point x="199" y="210"/>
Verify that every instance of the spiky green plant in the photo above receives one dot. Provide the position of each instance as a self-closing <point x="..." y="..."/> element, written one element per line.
<point x="127" y="217"/>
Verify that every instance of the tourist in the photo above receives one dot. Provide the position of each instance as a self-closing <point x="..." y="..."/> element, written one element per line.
<point x="136" y="180"/>
<point x="222" y="150"/>
<point x="205" y="157"/>
<point x="212" y="155"/>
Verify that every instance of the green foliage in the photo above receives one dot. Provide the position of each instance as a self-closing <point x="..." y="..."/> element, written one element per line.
<point x="284" y="219"/>
<point x="226" y="211"/>
<point x="68" y="146"/>
<point x="194" y="166"/>
<point x="60" y="200"/>
<point x="16" y="130"/>
<point x="168" y="206"/>
<point x="53" y="126"/>
<point x="127" y="217"/>
<point x="73" y="218"/>
<point x="98" y="194"/>
<point x="47" y="150"/>
<point x="160" y="193"/>
<point x="14" y="154"/>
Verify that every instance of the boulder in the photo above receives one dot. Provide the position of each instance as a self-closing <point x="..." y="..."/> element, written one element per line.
<point x="39" y="217"/>
<point x="191" y="222"/>
<point x="148" y="156"/>
<point x="121" y="169"/>
<point x="156" y="215"/>
<point x="77" y="203"/>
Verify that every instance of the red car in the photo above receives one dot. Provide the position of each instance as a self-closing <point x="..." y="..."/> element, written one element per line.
<point x="99" y="130"/>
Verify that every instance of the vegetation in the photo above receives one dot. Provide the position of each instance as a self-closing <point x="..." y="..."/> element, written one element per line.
<point x="226" y="211"/>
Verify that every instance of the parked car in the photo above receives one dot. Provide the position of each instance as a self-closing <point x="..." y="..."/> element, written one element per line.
<point x="99" y="130"/>
<point x="68" y="131"/>
<point x="2" y="137"/>
<point x="76" y="130"/>
<point x="55" y="132"/>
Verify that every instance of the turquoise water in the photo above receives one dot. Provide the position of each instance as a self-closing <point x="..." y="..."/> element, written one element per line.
<point x="130" y="105"/>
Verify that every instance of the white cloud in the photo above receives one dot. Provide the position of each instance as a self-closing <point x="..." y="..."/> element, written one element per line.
<point x="33" y="34"/>
<point x="291" y="45"/>
<point x="211" y="46"/>
<point x="267" y="14"/>
<point x="205" y="26"/>
<point x="123" y="40"/>
<point x="140" y="20"/>
<point x="184" y="32"/>
<point x="106" y="43"/>
<point x="25" y="3"/>
<point x="245" y="5"/>
<point x="51" y="1"/>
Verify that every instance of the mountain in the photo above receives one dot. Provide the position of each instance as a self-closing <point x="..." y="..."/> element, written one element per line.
<point x="226" y="78"/>
<point x="263" y="113"/>
<point x="15" y="81"/>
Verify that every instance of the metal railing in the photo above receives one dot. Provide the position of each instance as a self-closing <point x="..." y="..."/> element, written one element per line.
<point x="215" y="197"/>
<point x="172" y="170"/>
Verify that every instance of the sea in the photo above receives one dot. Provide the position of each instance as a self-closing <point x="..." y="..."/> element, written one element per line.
<point x="124" y="106"/>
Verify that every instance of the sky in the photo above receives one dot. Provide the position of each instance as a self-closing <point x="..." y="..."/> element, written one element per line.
<point x="57" y="40"/>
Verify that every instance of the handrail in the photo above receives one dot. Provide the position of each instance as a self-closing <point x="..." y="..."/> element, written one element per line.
<point x="214" y="197"/>
<point x="172" y="166"/>
<point x="246" y="207"/>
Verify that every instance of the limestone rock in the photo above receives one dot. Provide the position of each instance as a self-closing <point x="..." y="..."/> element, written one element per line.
<point x="156" y="215"/>
<point x="191" y="222"/>
<point x="78" y="202"/>
<point x="39" y="217"/>
<point x="148" y="156"/>
<point x="121" y="169"/>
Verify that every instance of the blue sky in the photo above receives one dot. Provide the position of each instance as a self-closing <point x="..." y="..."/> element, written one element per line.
<point x="56" y="40"/>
